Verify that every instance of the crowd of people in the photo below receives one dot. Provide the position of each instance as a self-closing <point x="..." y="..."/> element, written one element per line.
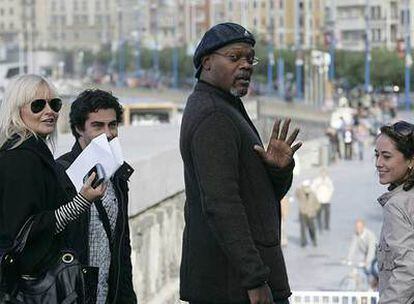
<point x="355" y="124"/>
<point x="234" y="187"/>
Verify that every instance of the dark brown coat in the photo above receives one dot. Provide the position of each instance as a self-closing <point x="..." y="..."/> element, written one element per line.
<point x="232" y="213"/>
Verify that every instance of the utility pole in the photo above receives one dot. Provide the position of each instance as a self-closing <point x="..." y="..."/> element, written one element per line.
<point x="332" y="42"/>
<point x="408" y="59"/>
<point x="280" y="64"/>
<point x="155" y="53"/>
<point x="121" y="48"/>
<point x="299" y="59"/>
<point x="271" y="59"/>
<point x="175" y="49"/>
<point x="138" y="42"/>
<point x="367" y="47"/>
<point x="280" y="75"/>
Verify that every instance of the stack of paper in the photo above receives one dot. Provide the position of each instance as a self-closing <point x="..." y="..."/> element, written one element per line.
<point x="100" y="150"/>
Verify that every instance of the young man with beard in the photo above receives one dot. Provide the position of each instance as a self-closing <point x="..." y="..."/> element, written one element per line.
<point x="231" y="242"/>
<point x="100" y="236"/>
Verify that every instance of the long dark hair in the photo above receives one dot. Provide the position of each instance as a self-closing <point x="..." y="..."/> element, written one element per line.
<point x="402" y="134"/>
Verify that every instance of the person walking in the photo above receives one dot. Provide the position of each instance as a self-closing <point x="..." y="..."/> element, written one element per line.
<point x="394" y="153"/>
<point x="362" y="249"/>
<point x="323" y="187"/>
<point x="231" y="243"/>
<point x="308" y="209"/>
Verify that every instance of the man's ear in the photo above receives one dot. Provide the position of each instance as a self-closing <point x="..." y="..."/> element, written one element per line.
<point x="79" y="131"/>
<point x="206" y="62"/>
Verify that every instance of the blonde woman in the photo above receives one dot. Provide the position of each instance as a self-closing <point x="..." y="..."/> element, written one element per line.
<point x="28" y="180"/>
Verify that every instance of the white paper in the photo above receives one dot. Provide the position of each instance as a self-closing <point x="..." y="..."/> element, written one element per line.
<point x="108" y="154"/>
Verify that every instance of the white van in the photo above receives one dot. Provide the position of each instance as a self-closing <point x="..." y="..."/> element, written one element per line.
<point x="7" y="71"/>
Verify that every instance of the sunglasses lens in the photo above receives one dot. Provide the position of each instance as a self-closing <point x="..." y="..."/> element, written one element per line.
<point x="37" y="105"/>
<point x="55" y="104"/>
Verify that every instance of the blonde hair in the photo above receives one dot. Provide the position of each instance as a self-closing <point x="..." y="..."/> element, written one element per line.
<point x="20" y="91"/>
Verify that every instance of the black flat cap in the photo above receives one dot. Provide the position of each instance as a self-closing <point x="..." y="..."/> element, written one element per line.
<point x="218" y="36"/>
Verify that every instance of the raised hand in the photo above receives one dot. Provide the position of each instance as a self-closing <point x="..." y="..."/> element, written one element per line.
<point x="280" y="151"/>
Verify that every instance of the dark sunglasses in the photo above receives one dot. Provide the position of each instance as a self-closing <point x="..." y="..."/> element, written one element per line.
<point x="403" y="128"/>
<point x="39" y="104"/>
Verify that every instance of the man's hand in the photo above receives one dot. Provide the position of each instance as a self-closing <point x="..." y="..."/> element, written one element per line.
<point x="280" y="150"/>
<point x="260" y="295"/>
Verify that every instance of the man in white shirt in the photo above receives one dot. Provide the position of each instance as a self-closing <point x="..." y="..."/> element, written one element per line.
<point x="323" y="188"/>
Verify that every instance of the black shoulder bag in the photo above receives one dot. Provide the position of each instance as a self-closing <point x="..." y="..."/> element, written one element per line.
<point x="66" y="282"/>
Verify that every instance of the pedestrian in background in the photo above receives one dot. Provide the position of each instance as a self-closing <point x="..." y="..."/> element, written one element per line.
<point x="394" y="152"/>
<point x="284" y="211"/>
<point x="308" y="209"/>
<point x="362" y="249"/>
<point x="231" y="243"/>
<point x="361" y="138"/>
<point x="348" y="142"/>
<point x="323" y="188"/>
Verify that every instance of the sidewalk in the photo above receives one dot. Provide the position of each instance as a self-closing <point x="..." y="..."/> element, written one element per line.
<point x="356" y="190"/>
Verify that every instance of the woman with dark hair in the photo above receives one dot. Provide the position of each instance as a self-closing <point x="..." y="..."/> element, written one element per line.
<point x="394" y="162"/>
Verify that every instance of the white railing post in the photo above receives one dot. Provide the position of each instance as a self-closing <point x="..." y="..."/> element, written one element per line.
<point x="333" y="297"/>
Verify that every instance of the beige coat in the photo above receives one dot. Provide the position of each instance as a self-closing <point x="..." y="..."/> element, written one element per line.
<point x="396" y="248"/>
<point x="308" y="202"/>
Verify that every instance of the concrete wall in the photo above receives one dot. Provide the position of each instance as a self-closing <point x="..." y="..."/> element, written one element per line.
<point x="156" y="251"/>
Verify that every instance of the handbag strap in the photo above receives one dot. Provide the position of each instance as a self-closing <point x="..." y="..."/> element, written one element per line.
<point x="20" y="240"/>
<point x="105" y="220"/>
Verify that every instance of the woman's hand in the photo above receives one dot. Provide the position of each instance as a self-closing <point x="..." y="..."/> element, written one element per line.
<point x="90" y="193"/>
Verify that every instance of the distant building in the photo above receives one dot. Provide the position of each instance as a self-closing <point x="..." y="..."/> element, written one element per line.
<point x="76" y="25"/>
<point x="385" y="23"/>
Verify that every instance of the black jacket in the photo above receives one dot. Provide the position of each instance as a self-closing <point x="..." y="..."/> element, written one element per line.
<point x="29" y="186"/>
<point x="232" y="211"/>
<point x="76" y="234"/>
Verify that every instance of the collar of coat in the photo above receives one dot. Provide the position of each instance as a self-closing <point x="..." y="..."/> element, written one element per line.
<point x="383" y="199"/>
<point x="124" y="172"/>
<point x="205" y="86"/>
<point x="34" y="144"/>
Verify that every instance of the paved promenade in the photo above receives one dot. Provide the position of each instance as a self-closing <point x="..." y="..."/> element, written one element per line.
<point x="356" y="190"/>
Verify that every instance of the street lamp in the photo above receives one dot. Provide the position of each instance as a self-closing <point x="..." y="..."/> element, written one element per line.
<point x="121" y="49"/>
<point x="332" y="41"/>
<point x="155" y="49"/>
<point x="138" y="41"/>
<point x="408" y="59"/>
<point x="280" y="75"/>
<point x="271" y="58"/>
<point x="367" y="47"/>
<point x="299" y="53"/>
<point x="175" y="58"/>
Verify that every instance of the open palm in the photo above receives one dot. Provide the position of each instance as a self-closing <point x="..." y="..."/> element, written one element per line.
<point x="280" y="151"/>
